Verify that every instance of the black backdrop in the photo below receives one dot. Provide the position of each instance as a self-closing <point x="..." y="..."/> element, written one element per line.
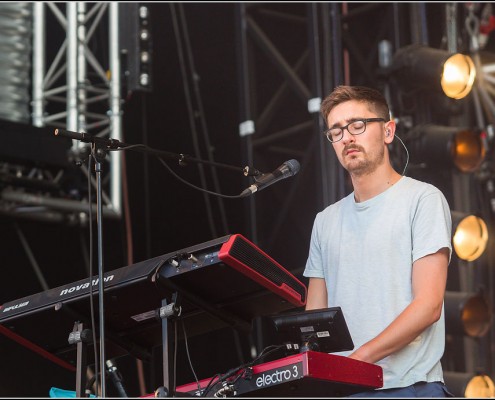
<point x="165" y="215"/>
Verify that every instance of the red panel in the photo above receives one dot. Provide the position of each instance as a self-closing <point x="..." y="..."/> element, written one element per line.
<point x="336" y="368"/>
<point x="283" y="290"/>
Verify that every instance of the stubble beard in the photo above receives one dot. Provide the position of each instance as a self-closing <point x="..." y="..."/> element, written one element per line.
<point x="360" y="167"/>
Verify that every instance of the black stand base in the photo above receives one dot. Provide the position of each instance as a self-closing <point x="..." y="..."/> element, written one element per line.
<point x="161" y="392"/>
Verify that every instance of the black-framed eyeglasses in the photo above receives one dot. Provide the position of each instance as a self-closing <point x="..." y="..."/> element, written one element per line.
<point x="356" y="127"/>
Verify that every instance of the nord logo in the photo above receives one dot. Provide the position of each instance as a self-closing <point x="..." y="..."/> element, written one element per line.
<point x="16" y="306"/>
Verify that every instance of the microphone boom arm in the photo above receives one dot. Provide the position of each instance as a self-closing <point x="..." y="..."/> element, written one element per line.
<point x="182" y="159"/>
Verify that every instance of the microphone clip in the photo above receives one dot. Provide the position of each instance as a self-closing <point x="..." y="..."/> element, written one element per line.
<point x="286" y="170"/>
<point x="248" y="171"/>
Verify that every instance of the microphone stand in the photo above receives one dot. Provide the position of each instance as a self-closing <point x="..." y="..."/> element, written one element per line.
<point x="99" y="155"/>
<point x="99" y="148"/>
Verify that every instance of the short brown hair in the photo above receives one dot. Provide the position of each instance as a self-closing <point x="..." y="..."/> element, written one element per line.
<point x="341" y="94"/>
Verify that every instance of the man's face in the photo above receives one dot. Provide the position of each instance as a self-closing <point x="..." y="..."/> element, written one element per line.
<point x="358" y="154"/>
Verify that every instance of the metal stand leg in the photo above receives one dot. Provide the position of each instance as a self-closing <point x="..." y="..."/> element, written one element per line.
<point x="79" y="337"/>
<point x="166" y="311"/>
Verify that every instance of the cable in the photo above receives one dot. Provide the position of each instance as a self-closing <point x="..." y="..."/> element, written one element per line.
<point x="210" y="385"/>
<point x="266" y="351"/>
<point x="189" y="356"/>
<point x="194" y="186"/>
<point x="174" y="384"/>
<point x="177" y="176"/>
<point x="407" y="155"/>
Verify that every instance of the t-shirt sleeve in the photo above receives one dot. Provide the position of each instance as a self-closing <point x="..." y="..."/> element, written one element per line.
<point x="432" y="225"/>
<point x="314" y="263"/>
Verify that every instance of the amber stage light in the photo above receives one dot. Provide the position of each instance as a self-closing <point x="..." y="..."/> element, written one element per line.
<point x="469" y="385"/>
<point x="438" y="145"/>
<point x="467" y="314"/>
<point x="428" y="68"/>
<point x="470" y="235"/>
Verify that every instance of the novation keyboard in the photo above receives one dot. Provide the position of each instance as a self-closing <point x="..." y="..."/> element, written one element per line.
<point x="223" y="282"/>
<point x="308" y="374"/>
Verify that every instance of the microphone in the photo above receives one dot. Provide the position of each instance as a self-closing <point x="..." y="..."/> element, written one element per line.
<point x="87" y="138"/>
<point x="116" y="378"/>
<point x="288" y="168"/>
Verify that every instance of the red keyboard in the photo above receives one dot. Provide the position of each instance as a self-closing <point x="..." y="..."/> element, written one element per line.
<point x="309" y="374"/>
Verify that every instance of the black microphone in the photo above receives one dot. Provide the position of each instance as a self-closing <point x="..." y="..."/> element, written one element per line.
<point x="116" y="378"/>
<point x="288" y="168"/>
<point x="87" y="138"/>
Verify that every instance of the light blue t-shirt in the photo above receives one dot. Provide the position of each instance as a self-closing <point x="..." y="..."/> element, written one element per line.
<point x="365" y="252"/>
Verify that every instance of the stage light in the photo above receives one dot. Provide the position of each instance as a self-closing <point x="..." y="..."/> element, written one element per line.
<point x="445" y="145"/>
<point x="469" y="385"/>
<point x="458" y="76"/>
<point x="136" y="46"/>
<point x="428" y="68"/>
<point x="466" y="314"/>
<point x="470" y="235"/>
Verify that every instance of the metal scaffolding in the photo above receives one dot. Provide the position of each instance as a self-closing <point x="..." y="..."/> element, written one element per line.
<point x="261" y="106"/>
<point x="75" y="86"/>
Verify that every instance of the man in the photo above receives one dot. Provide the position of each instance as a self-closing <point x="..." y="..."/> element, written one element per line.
<point x="382" y="252"/>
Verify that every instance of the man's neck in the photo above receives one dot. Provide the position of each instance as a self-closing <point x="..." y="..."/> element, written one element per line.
<point x="371" y="185"/>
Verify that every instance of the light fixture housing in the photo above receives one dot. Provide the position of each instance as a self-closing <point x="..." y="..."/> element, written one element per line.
<point x="437" y="145"/>
<point x="467" y="314"/>
<point x="469" y="385"/>
<point x="428" y="68"/>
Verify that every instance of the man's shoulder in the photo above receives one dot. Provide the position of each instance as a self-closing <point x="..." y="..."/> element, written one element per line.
<point x="421" y="186"/>
<point x="420" y="191"/>
<point x="340" y="203"/>
<point x="333" y="209"/>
